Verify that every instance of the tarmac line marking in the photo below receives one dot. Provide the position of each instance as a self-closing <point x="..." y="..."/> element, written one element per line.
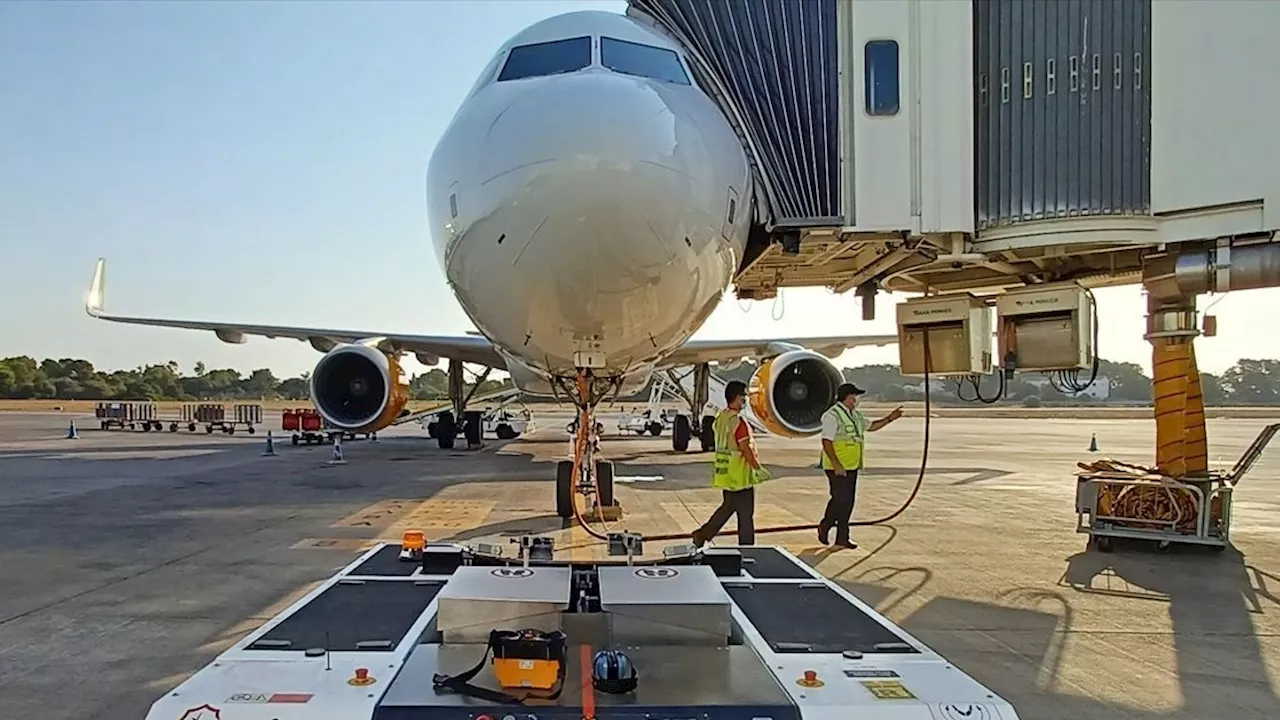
<point x="439" y="514"/>
<point x="350" y="544"/>
<point x="377" y="515"/>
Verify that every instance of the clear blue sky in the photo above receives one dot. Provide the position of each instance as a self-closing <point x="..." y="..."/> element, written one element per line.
<point x="265" y="162"/>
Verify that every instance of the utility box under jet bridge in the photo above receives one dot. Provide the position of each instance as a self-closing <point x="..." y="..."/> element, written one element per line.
<point x="965" y="145"/>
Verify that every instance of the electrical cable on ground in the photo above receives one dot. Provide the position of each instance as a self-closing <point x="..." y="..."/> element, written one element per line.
<point x="924" y="464"/>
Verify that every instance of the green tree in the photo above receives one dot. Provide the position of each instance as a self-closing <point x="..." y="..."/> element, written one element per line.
<point x="261" y="383"/>
<point x="1253" y="382"/>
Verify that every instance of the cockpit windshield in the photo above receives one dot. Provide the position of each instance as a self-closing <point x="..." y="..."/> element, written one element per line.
<point x="548" y="58"/>
<point x="646" y="61"/>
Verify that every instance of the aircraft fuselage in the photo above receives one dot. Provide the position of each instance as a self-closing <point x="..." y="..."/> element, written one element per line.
<point x="589" y="203"/>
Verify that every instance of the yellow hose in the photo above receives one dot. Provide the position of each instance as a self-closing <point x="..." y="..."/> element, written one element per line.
<point x="1169" y="364"/>
<point x="1197" y="443"/>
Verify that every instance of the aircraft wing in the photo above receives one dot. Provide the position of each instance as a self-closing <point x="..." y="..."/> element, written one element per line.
<point x="728" y="351"/>
<point x="468" y="348"/>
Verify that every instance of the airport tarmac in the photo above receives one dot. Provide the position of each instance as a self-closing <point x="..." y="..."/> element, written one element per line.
<point x="129" y="560"/>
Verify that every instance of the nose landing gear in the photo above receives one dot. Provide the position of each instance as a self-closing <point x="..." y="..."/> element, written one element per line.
<point x="584" y="474"/>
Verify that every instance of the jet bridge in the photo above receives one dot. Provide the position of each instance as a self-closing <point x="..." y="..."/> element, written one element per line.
<point x="979" y="146"/>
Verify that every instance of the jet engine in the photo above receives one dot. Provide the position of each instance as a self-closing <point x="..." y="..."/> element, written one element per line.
<point x="789" y="392"/>
<point x="359" y="388"/>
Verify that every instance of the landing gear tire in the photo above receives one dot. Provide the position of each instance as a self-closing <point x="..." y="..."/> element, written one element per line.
<point x="708" y="435"/>
<point x="604" y="482"/>
<point x="473" y="428"/>
<point x="655" y="429"/>
<point x="431" y="428"/>
<point x="681" y="433"/>
<point x="446" y="430"/>
<point x="505" y="432"/>
<point x="564" y="488"/>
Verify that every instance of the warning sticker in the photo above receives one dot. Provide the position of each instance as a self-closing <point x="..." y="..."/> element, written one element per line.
<point x="966" y="711"/>
<point x="870" y="673"/>
<point x="204" y="712"/>
<point x="888" y="690"/>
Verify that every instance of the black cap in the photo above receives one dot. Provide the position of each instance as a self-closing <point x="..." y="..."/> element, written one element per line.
<point x="733" y="390"/>
<point x="847" y="389"/>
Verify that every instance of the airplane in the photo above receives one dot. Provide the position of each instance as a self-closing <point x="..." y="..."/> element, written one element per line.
<point x="590" y="205"/>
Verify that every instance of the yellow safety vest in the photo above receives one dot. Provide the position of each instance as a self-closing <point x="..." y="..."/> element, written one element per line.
<point x="851" y="428"/>
<point x="730" y="470"/>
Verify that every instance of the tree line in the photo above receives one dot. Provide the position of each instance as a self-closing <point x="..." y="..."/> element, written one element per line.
<point x="24" y="378"/>
<point x="1248" y="382"/>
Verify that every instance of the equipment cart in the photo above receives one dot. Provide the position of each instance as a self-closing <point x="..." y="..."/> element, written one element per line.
<point x="1119" y="500"/>
<point x="213" y="416"/>
<point x="131" y="415"/>
<point x="407" y="632"/>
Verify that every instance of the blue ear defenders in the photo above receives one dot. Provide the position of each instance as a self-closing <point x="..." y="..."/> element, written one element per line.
<point x="612" y="672"/>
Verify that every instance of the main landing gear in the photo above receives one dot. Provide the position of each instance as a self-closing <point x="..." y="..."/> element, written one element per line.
<point x="445" y="427"/>
<point x="682" y="428"/>
<point x="585" y="476"/>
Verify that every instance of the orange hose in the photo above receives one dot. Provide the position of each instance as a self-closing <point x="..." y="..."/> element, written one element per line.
<point x="1169" y="387"/>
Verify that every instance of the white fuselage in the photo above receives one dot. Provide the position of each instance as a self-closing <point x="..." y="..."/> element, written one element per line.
<point x="589" y="203"/>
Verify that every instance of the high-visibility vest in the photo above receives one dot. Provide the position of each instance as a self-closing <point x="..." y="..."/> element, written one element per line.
<point x="730" y="469"/>
<point x="851" y="428"/>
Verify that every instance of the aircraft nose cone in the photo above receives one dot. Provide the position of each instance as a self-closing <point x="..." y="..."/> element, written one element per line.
<point x="600" y="118"/>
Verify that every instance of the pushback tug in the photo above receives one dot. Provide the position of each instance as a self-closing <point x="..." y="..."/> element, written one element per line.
<point x="415" y="631"/>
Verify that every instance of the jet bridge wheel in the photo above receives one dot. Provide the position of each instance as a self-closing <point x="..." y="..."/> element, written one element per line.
<point x="446" y="430"/>
<point x="708" y="435"/>
<point x="681" y="433"/>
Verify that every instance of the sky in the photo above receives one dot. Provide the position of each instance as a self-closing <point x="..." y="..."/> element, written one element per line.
<point x="265" y="163"/>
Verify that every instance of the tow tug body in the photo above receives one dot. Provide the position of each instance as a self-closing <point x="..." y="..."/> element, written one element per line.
<point x="725" y="633"/>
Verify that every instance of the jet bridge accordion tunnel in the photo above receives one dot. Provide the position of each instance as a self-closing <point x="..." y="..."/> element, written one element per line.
<point x="927" y="118"/>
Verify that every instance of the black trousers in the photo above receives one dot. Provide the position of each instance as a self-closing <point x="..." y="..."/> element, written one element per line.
<point x="840" y="506"/>
<point x="738" y="502"/>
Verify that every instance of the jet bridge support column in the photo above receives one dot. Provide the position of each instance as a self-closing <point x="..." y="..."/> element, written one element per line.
<point x="1181" y="440"/>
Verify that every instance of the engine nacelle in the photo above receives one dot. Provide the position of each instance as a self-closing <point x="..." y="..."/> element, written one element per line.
<point x="789" y="392"/>
<point x="359" y="388"/>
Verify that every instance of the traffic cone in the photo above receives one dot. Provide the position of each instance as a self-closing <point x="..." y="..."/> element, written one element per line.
<point x="1093" y="443"/>
<point x="337" y="452"/>
<point x="72" y="434"/>
<point x="271" y="446"/>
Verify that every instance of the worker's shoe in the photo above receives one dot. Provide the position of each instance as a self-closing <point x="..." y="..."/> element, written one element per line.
<point x="824" y="534"/>
<point x="845" y="544"/>
<point x="698" y="538"/>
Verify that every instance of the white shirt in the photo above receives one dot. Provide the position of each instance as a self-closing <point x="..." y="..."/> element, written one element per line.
<point x="829" y="426"/>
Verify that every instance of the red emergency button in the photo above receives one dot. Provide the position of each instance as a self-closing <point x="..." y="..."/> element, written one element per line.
<point x="810" y="679"/>
<point x="363" y="674"/>
<point x="361" y="677"/>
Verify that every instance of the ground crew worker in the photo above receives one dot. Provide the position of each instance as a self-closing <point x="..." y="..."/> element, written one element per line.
<point x="844" y="430"/>
<point x="736" y="470"/>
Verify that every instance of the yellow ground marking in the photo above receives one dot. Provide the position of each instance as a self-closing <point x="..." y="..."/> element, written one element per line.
<point x="438" y="517"/>
<point x="377" y="515"/>
<point x="351" y="544"/>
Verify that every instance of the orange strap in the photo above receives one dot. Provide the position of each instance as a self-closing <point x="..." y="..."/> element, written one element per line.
<point x="588" y="689"/>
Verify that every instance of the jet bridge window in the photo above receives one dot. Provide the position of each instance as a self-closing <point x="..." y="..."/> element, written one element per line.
<point x="881" y="72"/>
<point x="646" y="61"/>
<point x="548" y="58"/>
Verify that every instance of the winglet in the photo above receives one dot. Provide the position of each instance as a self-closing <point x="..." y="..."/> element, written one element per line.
<point x="95" y="298"/>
